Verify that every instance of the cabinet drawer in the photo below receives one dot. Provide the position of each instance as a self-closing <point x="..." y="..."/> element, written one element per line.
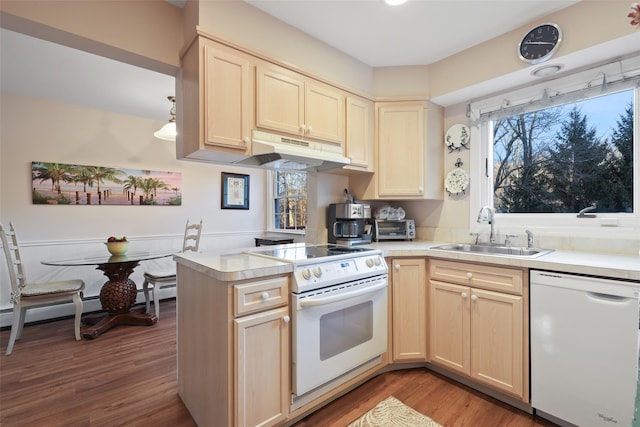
<point x="260" y="295"/>
<point x="479" y="276"/>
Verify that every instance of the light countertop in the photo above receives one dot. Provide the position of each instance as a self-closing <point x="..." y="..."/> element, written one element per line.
<point x="229" y="267"/>
<point x="615" y="266"/>
<point x="235" y="266"/>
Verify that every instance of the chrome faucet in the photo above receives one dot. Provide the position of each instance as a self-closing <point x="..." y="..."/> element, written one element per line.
<point x="583" y="213"/>
<point x="487" y="215"/>
<point x="529" y="238"/>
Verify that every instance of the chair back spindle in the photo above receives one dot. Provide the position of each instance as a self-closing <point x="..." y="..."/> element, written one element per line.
<point x="191" y="240"/>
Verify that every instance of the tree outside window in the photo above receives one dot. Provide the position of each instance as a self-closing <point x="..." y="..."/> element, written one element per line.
<point x="563" y="159"/>
<point x="290" y="200"/>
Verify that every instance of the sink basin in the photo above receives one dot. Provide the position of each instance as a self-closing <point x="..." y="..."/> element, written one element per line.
<point x="516" y="251"/>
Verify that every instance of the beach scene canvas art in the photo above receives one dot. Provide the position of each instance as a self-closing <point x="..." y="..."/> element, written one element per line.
<point x="68" y="184"/>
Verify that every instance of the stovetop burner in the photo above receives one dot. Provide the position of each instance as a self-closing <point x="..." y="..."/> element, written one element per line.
<point x="308" y="252"/>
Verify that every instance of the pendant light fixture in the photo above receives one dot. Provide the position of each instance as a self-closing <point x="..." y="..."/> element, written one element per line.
<point x="168" y="132"/>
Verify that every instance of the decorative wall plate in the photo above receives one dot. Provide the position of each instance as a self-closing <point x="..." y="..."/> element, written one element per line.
<point x="457" y="137"/>
<point x="457" y="180"/>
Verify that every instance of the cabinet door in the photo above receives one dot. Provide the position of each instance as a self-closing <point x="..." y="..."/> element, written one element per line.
<point x="228" y="98"/>
<point x="401" y="140"/>
<point x="280" y="100"/>
<point x="262" y="368"/>
<point x="409" y="311"/>
<point x="324" y="113"/>
<point x="359" y="133"/>
<point x="449" y="326"/>
<point x="497" y="340"/>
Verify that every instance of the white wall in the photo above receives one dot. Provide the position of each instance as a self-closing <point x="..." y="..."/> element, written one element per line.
<point x="39" y="130"/>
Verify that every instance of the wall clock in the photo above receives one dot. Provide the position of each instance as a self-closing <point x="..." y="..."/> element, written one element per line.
<point x="540" y="43"/>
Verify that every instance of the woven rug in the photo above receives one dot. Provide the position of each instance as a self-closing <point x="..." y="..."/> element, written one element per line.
<point x="393" y="413"/>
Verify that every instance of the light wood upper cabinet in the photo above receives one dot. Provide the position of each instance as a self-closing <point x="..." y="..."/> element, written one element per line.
<point x="477" y="332"/>
<point x="215" y="102"/>
<point x="401" y="145"/>
<point x="229" y="98"/>
<point x="292" y="103"/>
<point x="279" y="99"/>
<point x="359" y="145"/>
<point x="324" y="112"/>
<point x="409" y="151"/>
<point x="409" y="309"/>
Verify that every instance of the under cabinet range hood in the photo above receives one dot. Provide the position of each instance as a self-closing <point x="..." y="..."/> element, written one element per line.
<point x="271" y="151"/>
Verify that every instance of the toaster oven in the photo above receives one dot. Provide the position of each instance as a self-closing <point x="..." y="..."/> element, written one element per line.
<point x="386" y="229"/>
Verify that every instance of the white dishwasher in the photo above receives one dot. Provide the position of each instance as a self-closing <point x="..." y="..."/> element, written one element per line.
<point x="584" y="349"/>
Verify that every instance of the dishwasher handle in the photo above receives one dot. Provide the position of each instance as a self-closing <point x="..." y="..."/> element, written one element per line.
<point x="615" y="299"/>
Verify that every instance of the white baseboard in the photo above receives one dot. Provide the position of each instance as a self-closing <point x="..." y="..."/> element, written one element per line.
<point x="89" y="305"/>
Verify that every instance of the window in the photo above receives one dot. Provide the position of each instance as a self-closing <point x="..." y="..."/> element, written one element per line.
<point x="566" y="158"/>
<point x="551" y="150"/>
<point x="288" y="201"/>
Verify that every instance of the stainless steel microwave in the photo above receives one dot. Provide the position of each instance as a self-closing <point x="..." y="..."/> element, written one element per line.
<point x="385" y="229"/>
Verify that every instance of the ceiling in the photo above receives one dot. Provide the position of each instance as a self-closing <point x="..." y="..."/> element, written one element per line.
<point x="76" y="77"/>
<point x="418" y="32"/>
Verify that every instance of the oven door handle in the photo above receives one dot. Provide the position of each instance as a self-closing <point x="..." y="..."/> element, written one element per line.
<point x="314" y="302"/>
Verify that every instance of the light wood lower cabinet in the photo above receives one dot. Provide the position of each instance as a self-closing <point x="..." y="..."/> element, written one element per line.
<point x="233" y="349"/>
<point x="262" y="368"/>
<point x="476" y="332"/>
<point x="409" y="309"/>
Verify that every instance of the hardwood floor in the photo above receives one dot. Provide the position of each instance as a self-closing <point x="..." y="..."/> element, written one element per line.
<point x="128" y="377"/>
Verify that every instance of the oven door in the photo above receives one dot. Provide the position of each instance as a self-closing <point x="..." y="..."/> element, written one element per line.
<point x="337" y="329"/>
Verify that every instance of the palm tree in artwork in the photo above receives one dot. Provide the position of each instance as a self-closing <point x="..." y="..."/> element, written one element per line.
<point x="56" y="172"/>
<point x="147" y="186"/>
<point x="84" y="175"/>
<point x="101" y="174"/>
<point x="158" y="185"/>
<point x="132" y="182"/>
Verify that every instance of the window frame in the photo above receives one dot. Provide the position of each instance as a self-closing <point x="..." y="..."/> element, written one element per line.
<point x="271" y="183"/>
<point x="481" y="161"/>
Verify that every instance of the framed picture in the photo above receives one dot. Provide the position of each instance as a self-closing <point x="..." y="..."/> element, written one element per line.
<point x="235" y="191"/>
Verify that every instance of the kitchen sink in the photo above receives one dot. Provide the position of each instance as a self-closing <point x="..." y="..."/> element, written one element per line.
<point x="516" y="251"/>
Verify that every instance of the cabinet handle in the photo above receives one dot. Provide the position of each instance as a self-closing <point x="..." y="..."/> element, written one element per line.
<point x="463" y="295"/>
<point x="265" y="296"/>
<point x="469" y="276"/>
<point x="286" y="319"/>
<point x="303" y="128"/>
<point x="309" y="130"/>
<point x="246" y="140"/>
<point x="397" y="266"/>
<point x="474" y="298"/>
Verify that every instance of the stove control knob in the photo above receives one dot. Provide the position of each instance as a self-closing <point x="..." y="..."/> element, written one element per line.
<point x="370" y="262"/>
<point x="317" y="272"/>
<point x="377" y="261"/>
<point x="306" y="274"/>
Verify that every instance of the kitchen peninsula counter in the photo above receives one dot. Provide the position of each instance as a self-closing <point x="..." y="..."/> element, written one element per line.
<point x="233" y="266"/>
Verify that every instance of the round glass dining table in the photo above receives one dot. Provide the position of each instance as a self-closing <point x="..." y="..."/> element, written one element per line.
<point x="118" y="294"/>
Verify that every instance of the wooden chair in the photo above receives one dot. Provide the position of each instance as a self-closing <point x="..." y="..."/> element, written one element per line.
<point x="163" y="279"/>
<point x="26" y="295"/>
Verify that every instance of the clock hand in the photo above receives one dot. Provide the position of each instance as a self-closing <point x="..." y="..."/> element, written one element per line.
<point x="538" y="43"/>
